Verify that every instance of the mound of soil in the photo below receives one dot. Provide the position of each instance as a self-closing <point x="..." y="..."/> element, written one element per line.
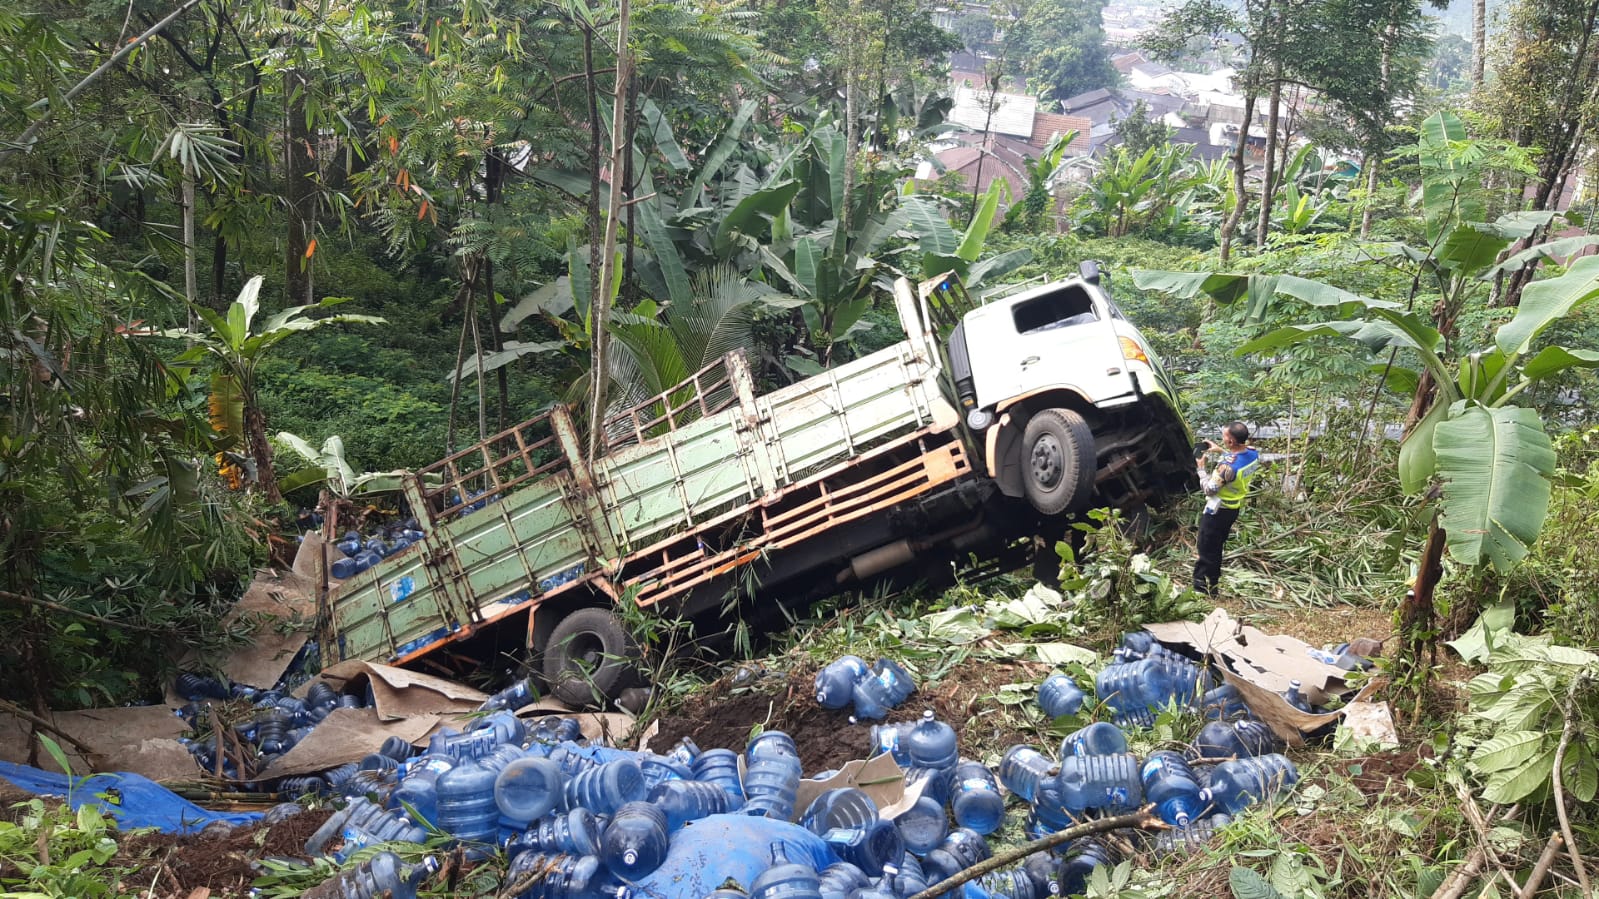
<point x="221" y="862"/>
<point x="734" y="709"/>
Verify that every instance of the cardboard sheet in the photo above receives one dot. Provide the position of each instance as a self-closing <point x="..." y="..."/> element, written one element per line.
<point x="348" y="735"/>
<point x="398" y="693"/>
<point x="881" y="778"/>
<point x="612" y="728"/>
<point x="141" y="739"/>
<point x="279" y="599"/>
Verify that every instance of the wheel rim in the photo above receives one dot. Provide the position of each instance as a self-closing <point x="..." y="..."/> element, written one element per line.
<point x="1047" y="461"/>
<point x="586" y="653"/>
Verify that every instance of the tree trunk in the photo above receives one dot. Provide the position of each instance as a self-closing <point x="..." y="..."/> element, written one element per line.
<point x="1479" y="41"/>
<point x="591" y="90"/>
<point x="1373" y="160"/>
<point x="219" y="271"/>
<point x="191" y="286"/>
<point x="852" y="135"/>
<point x="299" y="191"/>
<point x="1374" y="153"/>
<point x="602" y="298"/>
<point x="1268" y="188"/>
<point x="260" y="450"/>
<point x="1240" y="191"/>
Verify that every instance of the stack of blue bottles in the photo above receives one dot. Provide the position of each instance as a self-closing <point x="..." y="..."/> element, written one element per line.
<point x="605" y="789"/>
<point x="1170" y="784"/>
<point x="883" y="688"/>
<point x="418" y="789"/>
<point x="1099" y="738"/>
<point x="1236" y="785"/>
<point x="682" y="801"/>
<point x="835" y="683"/>
<point x="975" y="799"/>
<point x="771" y="776"/>
<point x="635" y="841"/>
<point x="383" y="874"/>
<point x="1059" y="695"/>
<point x="1135" y="691"/>
<point x="1022" y="769"/>
<point x="720" y="767"/>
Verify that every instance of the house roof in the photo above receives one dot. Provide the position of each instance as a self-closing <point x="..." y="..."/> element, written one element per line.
<point x="1124" y="62"/>
<point x="1011" y="113"/>
<point x="1047" y="124"/>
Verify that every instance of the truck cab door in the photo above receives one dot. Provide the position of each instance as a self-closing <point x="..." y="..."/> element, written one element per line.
<point x="1062" y="336"/>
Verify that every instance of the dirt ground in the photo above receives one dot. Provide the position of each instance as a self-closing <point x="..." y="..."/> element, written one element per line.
<point x="177" y="866"/>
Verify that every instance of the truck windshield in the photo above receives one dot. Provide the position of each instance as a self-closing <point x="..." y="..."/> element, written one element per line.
<point x="1061" y="309"/>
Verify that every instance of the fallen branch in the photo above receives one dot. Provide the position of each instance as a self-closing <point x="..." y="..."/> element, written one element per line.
<point x="1560" y="792"/>
<point x="86" y="616"/>
<point x="41" y="724"/>
<point x="1455" y="885"/>
<point x="1143" y="818"/>
<point x="1541" y="869"/>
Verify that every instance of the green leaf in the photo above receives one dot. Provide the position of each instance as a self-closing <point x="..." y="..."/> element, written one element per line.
<point x="730" y="140"/>
<point x="1374" y="335"/>
<point x="1514" y="785"/>
<point x="934" y="233"/>
<point x="766" y="201"/>
<point x="1496" y="465"/>
<point x="1554" y="249"/>
<point x="995" y="268"/>
<point x="665" y="252"/>
<point x="1221" y="287"/>
<point x="1580" y="774"/>
<point x="1545" y="302"/>
<point x="661" y="133"/>
<point x="1061" y="654"/>
<point x="1470" y="247"/>
<point x="971" y="245"/>
<point x="1248" y="884"/>
<point x="805" y="267"/>
<point x="1477" y="643"/>
<point x="57" y="754"/>
<point x="1553" y="359"/>
<point x="1418" y="462"/>
<point x="249" y="302"/>
<point x="1510" y="750"/>
<point x="554" y="299"/>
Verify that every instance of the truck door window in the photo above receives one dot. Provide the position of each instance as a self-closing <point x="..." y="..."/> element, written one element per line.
<point x="1060" y="309"/>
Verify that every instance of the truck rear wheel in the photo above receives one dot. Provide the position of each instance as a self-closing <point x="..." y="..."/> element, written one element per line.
<point x="1057" y="461"/>
<point x="590" y="658"/>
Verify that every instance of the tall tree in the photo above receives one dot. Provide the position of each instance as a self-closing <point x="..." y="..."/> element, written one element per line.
<point x="1059" y="47"/>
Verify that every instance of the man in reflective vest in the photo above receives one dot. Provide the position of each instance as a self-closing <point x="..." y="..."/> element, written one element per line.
<point x="1225" y="488"/>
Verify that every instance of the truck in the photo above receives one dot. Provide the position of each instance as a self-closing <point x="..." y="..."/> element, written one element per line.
<point x="988" y="425"/>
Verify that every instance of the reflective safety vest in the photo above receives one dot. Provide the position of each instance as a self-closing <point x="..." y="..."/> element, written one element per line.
<point x="1245" y="465"/>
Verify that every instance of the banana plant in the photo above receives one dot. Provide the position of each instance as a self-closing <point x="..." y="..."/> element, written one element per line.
<point x="236" y="351"/>
<point x="328" y="466"/>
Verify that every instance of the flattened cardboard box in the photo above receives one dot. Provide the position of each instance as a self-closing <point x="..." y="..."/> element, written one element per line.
<point x="1262" y="667"/>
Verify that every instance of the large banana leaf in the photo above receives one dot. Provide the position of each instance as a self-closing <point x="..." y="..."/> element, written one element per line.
<point x="971" y="245"/>
<point x="1554" y="249"/>
<point x="554" y="298"/>
<point x="767" y="201"/>
<point x="665" y="252"/>
<point x="1496" y="465"/>
<point x="928" y="223"/>
<point x="226" y="406"/>
<point x="1557" y="358"/>
<point x="1545" y="302"/>
<point x="1418" y="461"/>
<point x="730" y="140"/>
<point x="1220" y="286"/>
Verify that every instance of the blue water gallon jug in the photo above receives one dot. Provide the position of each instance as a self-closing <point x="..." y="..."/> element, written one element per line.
<point x="682" y="801"/>
<point x="842" y="807"/>
<point x="1257" y="737"/>
<point x="467" y="810"/>
<point x="720" y="767"/>
<point x="636" y="840"/>
<point x="576" y="832"/>
<point x="528" y="789"/>
<point x="1082" y="858"/>
<point x="1059" y="695"/>
<point x="1099" y="738"/>
<point x="659" y="768"/>
<point x="684" y="753"/>
<point x="1022" y="768"/>
<point x="1186" y="840"/>
<point x="382" y="875"/>
<point x="935" y="784"/>
<point x="835" y="683"/>
<point x="1107" y="782"/>
<point x="959" y="851"/>
<point x="1044" y="870"/>
<point x="932" y="744"/>
<point x="975" y="800"/>
<point x="1170" y="784"/>
<point x="840" y="879"/>
<point x="1014" y="883"/>
<point x="910" y="879"/>
<point x="769" y="743"/>
<point x="889" y="738"/>
<point x="786" y="879"/>
<point x="1236" y="785"/>
<point x="506" y="726"/>
<point x="893" y="675"/>
<point x="605" y="789"/>
<point x="868" y="846"/>
<point x="1223" y="703"/>
<point x="1218" y="740"/>
<point x="1295" y="696"/>
<point x="923" y="826"/>
<point x="770" y="785"/>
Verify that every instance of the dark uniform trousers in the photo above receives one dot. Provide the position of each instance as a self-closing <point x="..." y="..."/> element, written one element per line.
<point x="1214" y="527"/>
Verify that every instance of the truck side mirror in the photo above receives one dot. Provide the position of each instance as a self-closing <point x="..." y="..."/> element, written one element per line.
<point x="1088" y="269"/>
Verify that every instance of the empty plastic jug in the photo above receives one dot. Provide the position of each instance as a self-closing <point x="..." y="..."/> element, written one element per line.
<point x="635" y="842"/>
<point x="560" y="877"/>
<point x="840" y="879"/>
<point x="1223" y="703"/>
<point x="843" y="807"/>
<point x="910" y="879"/>
<point x="771" y="742"/>
<point x="1218" y="740"/>
<point x="720" y="767"/>
<point x="1236" y="785"/>
<point x="1099" y="738"/>
<point x="786" y="879"/>
<point x="576" y="832"/>
<point x="975" y="799"/>
<point x="1059" y="695"/>
<point x="1187" y="839"/>
<point x="1135" y="691"/>
<point x="1108" y="782"/>
<point x="835" y="684"/>
<point x="889" y="738"/>
<point x="466" y="806"/>
<point x="1258" y="737"/>
<point x="933" y="783"/>
<point x="885" y="687"/>
<point x="1021" y="769"/>
<point x="605" y="789"/>
<point x="1170" y="784"/>
<point x="684" y="753"/>
<point x="923" y="826"/>
<point x="1045" y="872"/>
<point x="868" y="846"/>
<point x="1014" y="883"/>
<point x="1081" y="859"/>
<point x="1295" y="696"/>
<point x="687" y="800"/>
<point x="931" y="744"/>
<point x="516" y="695"/>
<point x="527" y="789"/>
<point x="770" y="783"/>
<point x="959" y="851"/>
<point x="382" y="875"/>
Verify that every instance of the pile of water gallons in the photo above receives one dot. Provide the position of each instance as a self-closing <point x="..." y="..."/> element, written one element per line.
<point x="582" y="820"/>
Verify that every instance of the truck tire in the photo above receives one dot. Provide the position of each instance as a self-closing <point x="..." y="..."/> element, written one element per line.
<point x="1058" y="461"/>
<point x="589" y="658"/>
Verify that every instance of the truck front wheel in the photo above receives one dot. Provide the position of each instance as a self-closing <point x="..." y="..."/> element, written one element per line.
<point x="1057" y="461"/>
<point x="589" y="658"/>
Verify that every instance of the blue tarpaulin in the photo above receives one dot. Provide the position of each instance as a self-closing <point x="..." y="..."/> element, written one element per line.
<point x="133" y="800"/>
